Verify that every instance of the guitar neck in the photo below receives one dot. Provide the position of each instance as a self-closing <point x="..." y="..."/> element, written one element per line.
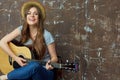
<point x="41" y="62"/>
<point x="55" y="65"/>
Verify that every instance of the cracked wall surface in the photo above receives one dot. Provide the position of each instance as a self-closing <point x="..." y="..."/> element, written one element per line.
<point x="87" y="31"/>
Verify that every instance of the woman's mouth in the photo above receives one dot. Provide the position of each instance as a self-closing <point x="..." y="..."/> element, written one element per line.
<point x="31" y="19"/>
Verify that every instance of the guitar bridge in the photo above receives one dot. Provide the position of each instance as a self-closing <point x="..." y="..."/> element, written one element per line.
<point x="10" y="60"/>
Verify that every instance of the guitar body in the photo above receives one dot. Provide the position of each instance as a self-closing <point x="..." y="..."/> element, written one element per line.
<point x="7" y="63"/>
<point x="5" y="66"/>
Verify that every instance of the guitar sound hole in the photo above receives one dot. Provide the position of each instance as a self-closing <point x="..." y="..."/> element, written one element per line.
<point x="21" y="56"/>
<point x="15" y="64"/>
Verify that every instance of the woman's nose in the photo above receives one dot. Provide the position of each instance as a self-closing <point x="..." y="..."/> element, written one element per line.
<point x="32" y="14"/>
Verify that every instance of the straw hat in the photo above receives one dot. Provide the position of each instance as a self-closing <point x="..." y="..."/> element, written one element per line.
<point x="29" y="3"/>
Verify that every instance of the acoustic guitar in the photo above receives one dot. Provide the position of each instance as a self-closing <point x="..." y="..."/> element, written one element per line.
<point x="7" y="63"/>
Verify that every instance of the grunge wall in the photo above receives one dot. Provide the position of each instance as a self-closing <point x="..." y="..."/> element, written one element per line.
<point x="85" y="30"/>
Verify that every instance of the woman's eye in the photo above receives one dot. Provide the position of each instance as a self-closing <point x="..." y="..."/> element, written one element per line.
<point x="28" y="13"/>
<point x="35" y="13"/>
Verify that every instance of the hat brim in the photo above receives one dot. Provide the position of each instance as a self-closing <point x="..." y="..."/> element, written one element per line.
<point x="25" y="6"/>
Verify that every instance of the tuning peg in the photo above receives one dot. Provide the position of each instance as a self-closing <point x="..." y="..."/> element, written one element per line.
<point x="67" y="61"/>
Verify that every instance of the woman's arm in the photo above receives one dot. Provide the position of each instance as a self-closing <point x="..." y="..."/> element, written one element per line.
<point x="52" y="51"/>
<point x="4" y="45"/>
<point x="53" y="55"/>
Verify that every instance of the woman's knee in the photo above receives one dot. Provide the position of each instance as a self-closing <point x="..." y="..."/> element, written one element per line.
<point x="34" y="65"/>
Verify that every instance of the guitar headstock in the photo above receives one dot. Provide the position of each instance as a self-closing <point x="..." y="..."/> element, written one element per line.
<point x="70" y="66"/>
<point x="74" y="66"/>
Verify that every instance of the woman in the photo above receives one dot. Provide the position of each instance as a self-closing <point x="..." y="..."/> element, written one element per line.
<point x="34" y="35"/>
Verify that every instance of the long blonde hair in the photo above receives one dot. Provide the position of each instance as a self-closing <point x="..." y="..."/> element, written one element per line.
<point x="39" y="42"/>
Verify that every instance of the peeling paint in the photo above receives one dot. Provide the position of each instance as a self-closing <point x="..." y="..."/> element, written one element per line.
<point x="88" y="29"/>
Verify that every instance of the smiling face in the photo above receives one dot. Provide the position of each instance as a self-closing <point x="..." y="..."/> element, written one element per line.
<point x="32" y="16"/>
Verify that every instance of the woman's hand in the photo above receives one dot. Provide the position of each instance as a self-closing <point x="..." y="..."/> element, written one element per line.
<point x="48" y="66"/>
<point x="20" y="61"/>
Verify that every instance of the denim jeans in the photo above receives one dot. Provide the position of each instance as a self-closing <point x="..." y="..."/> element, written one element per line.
<point x="32" y="71"/>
